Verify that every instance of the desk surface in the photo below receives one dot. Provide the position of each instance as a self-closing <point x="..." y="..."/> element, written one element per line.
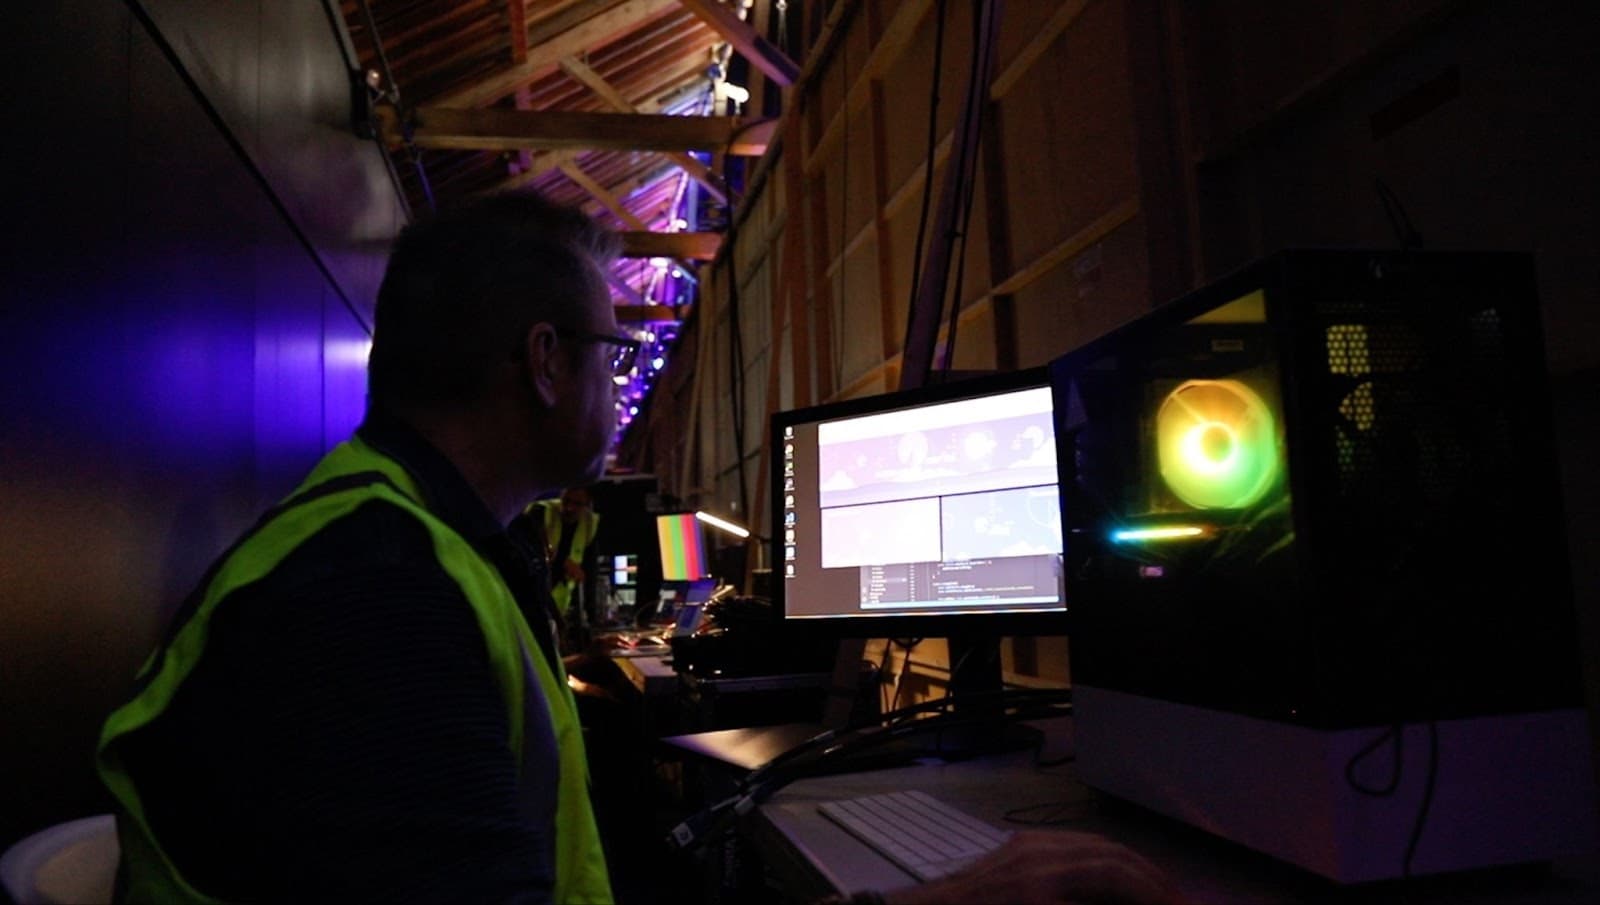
<point x="1206" y="869"/>
<point x="651" y="674"/>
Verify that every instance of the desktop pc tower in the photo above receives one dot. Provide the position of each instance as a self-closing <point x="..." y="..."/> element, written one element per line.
<point x="1317" y="569"/>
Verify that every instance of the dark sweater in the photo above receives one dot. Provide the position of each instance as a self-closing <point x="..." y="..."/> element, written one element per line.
<point x="342" y="736"/>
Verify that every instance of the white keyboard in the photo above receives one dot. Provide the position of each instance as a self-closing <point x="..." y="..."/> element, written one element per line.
<point x="923" y="835"/>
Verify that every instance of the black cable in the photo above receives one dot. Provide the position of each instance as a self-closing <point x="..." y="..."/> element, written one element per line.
<point x="383" y="58"/>
<point x="844" y="187"/>
<point x="1057" y="813"/>
<point x="907" y="644"/>
<point x="883" y="667"/>
<point x="973" y="112"/>
<point x="902" y="722"/>
<point x="736" y="358"/>
<point x="394" y="97"/>
<point x="1427" y="799"/>
<point x="927" y="175"/>
<point x="829" y="746"/>
<point x="711" y="822"/>
<point x="1395" y="734"/>
<point x="1409" y="238"/>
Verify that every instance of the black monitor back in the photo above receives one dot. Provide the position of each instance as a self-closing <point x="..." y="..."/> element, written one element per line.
<point x="1391" y="548"/>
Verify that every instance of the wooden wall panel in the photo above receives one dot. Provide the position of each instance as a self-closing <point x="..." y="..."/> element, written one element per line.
<point x="908" y="84"/>
<point x="1261" y="121"/>
<point x="974" y="269"/>
<point x="903" y="227"/>
<point x="1267" y="57"/>
<point x="861" y="343"/>
<point x="1087" y="295"/>
<point x="974" y="339"/>
<point x="1069" y="127"/>
<point x="1020" y="22"/>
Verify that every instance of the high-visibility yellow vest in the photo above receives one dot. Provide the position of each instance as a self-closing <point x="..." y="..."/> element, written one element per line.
<point x="333" y="489"/>
<point x="583" y="536"/>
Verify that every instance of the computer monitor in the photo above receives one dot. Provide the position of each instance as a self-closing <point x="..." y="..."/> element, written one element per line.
<point x="625" y="578"/>
<point x="683" y="547"/>
<point x="924" y="513"/>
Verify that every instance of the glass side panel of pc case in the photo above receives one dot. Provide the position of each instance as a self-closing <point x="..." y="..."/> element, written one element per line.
<point x="1321" y="491"/>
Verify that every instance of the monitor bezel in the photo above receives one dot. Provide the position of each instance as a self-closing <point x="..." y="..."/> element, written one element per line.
<point x="1049" y="622"/>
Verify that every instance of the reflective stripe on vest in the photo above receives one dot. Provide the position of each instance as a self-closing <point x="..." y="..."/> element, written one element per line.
<point x="580" y="872"/>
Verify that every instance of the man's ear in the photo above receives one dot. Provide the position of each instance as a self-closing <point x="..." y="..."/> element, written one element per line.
<point x="539" y="363"/>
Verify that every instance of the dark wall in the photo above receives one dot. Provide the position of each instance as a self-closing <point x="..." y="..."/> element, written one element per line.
<point x="193" y="246"/>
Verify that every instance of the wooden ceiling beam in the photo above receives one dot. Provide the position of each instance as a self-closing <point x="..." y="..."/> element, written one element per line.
<point x="544" y="11"/>
<point x="603" y="195"/>
<point x="517" y="20"/>
<point x="544" y="56"/>
<point x="585" y="75"/>
<point x="501" y="129"/>
<point x="423" y="25"/>
<point x="647" y="313"/>
<point x="761" y="53"/>
<point x="594" y="81"/>
<point x="547" y="24"/>
<point x="630" y="296"/>
<point x="689" y="246"/>
<point x="545" y="161"/>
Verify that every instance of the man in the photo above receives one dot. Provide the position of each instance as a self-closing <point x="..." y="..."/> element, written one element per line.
<point x="566" y="528"/>
<point x="351" y="705"/>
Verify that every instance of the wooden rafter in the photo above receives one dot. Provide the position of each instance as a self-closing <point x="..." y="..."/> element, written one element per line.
<point x="550" y="18"/>
<point x="517" y="22"/>
<point x="689" y="246"/>
<point x="635" y="314"/>
<point x="585" y="75"/>
<point x="630" y="296"/>
<point x="603" y="195"/>
<point x="761" y="53"/>
<point x="546" y="161"/>
<point x="498" y="129"/>
<point x="545" y="55"/>
<point x="594" y="81"/>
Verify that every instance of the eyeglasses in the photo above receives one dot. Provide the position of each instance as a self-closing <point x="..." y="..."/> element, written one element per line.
<point x="627" y="350"/>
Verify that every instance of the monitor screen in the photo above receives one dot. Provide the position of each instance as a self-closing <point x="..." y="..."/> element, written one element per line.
<point x="938" y="505"/>
<point x="683" y="547"/>
<point x="676" y="595"/>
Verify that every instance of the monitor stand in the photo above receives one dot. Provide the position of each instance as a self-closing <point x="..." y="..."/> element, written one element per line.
<point x="975" y="694"/>
<point x="975" y="691"/>
<point x="839" y="707"/>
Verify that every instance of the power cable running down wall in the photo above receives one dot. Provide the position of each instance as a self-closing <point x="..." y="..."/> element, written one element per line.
<point x="922" y="322"/>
